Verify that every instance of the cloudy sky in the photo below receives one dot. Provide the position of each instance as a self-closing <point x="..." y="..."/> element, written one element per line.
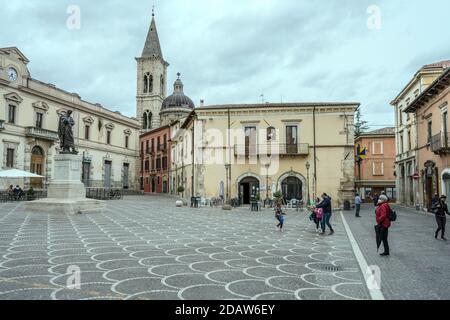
<point x="232" y="51"/>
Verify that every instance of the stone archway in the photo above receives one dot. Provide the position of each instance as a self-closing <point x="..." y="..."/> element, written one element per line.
<point x="289" y="178"/>
<point x="445" y="176"/>
<point x="247" y="186"/>
<point x="37" y="166"/>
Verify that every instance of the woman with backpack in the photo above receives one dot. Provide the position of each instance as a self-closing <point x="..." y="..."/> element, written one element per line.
<point x="383" y="217"/>
<point x="440" y="209"/>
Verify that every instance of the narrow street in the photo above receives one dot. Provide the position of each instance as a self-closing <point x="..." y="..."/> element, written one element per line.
<point x="418" y="265"/>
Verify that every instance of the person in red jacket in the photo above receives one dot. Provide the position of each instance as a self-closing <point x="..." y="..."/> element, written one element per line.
<point x="382" y="216"/>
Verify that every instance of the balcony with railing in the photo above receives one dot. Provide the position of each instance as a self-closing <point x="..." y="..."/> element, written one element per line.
<point x="440" y="143"/>
<point x="297" y="149"/>
<point x="41" y="133"/>
<point x="162" y="147"/>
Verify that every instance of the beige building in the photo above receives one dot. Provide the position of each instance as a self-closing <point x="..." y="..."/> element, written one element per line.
<point x="407" y="168"/>
<point x="29" y="113"/>
<point x="244" y="151"/>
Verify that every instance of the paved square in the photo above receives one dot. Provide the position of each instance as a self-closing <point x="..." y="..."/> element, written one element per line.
<point x="146" y="248"/>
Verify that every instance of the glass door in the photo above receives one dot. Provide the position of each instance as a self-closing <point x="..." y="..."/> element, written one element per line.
<point x="291" y="139"/>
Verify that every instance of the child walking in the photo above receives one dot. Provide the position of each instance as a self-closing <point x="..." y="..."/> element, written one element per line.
<point x="279" y="215"/>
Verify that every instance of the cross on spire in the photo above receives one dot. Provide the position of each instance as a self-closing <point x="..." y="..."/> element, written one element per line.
<point x="178" y="74"/>
<point x="153" y="10"/>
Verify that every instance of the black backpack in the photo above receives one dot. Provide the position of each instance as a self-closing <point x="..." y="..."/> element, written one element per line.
<point x="392" y="215"/>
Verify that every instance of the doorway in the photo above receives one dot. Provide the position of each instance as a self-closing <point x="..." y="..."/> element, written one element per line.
<point x="291" y="188"/>
<point x="107" y="180"/>
<point x="37" y="163"/>
<point x="126" y="169"/>
<point x="248" y="189"/>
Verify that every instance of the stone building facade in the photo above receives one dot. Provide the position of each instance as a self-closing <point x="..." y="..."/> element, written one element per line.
<point x="433" y="156"/>
<point x="244" y="151"/>
<point x="407" y="167"/>
<point x="376" y="173"/>
<point x="29" y="113"/>
<point x="155" y="160"/>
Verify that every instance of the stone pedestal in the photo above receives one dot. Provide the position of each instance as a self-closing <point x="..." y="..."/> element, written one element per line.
<point x="66" y="192"/>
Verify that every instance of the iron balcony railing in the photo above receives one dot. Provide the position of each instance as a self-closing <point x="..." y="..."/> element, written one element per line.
<point x="162" y="147"/>
<point x="440" y="142"/>
<point x="41" y="133"/>
<point x="295" y="149"/>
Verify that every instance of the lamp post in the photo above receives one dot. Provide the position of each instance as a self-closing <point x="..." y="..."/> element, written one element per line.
<point x="227" y="171"/>
<point x="267" y="165"/>
<point x="307" y="177"/>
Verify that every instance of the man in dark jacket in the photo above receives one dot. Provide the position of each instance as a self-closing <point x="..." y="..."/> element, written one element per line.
<point x="375" y="199"/>
<point x="441" y="220"/>
<point x="325" y="204"/>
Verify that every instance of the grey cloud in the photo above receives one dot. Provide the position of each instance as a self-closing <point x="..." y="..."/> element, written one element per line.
<point x="228" y="51"/>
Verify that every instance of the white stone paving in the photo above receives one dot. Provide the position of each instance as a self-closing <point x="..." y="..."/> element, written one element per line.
<point x="146" y="248"/>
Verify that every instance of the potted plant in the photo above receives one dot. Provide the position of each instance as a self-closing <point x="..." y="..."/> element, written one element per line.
<point x="278" y="197"/>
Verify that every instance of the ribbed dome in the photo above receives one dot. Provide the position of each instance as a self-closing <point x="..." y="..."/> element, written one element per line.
<point x="177" y="99"/>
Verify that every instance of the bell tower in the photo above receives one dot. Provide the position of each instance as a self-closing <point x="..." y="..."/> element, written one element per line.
<point x="151" y="80"/>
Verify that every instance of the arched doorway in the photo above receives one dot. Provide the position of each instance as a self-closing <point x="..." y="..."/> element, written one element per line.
<point x="291" y="187"/>
<point x="248" y="189"/>
<point x="37" y="165"/>
<point x="446" y="183"/>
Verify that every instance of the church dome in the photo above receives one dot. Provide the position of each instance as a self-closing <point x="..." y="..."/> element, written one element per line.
<point x="177" y="99"/>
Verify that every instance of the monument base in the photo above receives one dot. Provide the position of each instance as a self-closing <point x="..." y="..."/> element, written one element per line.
<point x="66" y="194"/>
<point x="66" y="206"/>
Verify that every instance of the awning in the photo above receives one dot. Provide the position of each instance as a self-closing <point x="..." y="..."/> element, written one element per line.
<point x="15" y="173"/>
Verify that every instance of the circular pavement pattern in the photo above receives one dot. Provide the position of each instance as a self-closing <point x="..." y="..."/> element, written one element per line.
<point x="146" y="248"/>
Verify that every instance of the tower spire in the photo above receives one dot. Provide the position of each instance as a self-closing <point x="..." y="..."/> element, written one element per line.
<point x="152" y="48"/>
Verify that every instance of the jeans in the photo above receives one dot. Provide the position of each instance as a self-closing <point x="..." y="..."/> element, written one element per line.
<point x="441" y="221"/>
<point x="326" y="221"/>
<point x="281" y="220"/>
<point x="357" y="207"/>
<point x="384" y="238"/>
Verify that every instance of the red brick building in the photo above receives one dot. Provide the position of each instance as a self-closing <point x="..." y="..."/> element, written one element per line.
<point x="155" y="160"/>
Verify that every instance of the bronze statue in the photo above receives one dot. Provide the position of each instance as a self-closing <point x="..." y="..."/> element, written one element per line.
<point x="65" y="133"/>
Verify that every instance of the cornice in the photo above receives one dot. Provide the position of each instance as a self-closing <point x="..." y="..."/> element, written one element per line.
<point x="125" y="122"/>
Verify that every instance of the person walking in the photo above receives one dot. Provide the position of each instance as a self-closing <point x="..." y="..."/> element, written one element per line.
<point x="279" y="215"/>
<point x="440" y="210"/>
<point x="325" y="204"/>
<point x="358" y="202"/>
<point x="382" y="216"/>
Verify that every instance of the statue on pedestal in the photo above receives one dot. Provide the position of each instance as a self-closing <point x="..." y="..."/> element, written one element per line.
<point x="65" y="134"/>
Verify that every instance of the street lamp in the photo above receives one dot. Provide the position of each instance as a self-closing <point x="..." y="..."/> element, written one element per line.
<point x="267" y="165"/>
<point x="227" y="170"/>
<point x="307" y="177"/>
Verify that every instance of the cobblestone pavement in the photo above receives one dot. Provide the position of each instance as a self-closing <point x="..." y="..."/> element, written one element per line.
<point x="145" y="248"/>
<point x="419" y="264"/>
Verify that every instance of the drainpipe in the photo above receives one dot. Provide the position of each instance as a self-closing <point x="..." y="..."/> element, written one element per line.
<point x="229" y="157"/>
<point x="192" y="160"/>
<point x="315" y="154"/>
